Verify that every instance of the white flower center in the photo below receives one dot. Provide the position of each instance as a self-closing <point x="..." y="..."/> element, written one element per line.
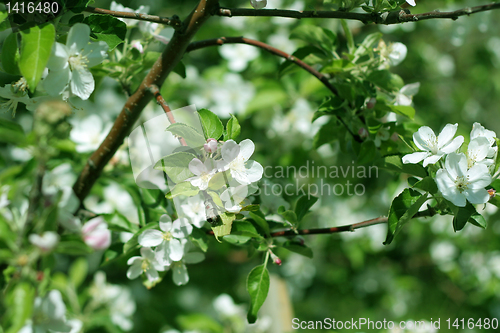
<point x="78" y="62"/>
<point x="237" y="164"/>
<point x="462" y="183"/>
<point x="167" y="236"/>
<point x="432" y="143"/>
<point x="145" y="265"/>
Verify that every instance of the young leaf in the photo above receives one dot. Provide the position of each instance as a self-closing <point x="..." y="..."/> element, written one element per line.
<point x="304" y="203"/>
<point x="233" y="129"/>
<point x="298" y="248"/>
<point x="403" y="207"/>
<point x="260" y="221"/>
<point x="190" y="134"/>
<point x="225" y="228"/>
<point x="10" y="54"/>
<point x="176" y="166"/>
<point x="184" y="188"/>
<point x="315" y="35"/>
<point x="212" y="126"/>
<point x="258" y="287"/>
<point x="36" y="48"/>
<point x="78" y="271"/>
<point x="107" y="28"/>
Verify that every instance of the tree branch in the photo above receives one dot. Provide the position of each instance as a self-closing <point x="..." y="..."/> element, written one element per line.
<point x="377" y="18"/>
<point x="242" y="40"/>
<point x="173" y="21"/>
<point x="169" y="58"/>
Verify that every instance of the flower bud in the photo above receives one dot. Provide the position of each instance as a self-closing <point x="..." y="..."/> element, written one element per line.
<point x="275" y="258"/>
<point x="492" y="193"/>
<point x="371" y="103"/>
<point x="210" y="146"/>
<point x="258" y="4"/>
<point x="96" y="234"/>
<point x="363" y="133"/>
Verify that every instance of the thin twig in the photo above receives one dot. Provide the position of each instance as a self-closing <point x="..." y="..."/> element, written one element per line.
<point x="160" y="100"/>
<point x="242" y="40"/>
<point x="173" y="21"/>
<point x="377" y="18"/>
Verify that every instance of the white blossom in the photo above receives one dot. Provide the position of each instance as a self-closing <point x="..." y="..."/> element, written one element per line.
<point x="169" y="240"/>
<point x="235" y="158"/>
<point x="45" y="242"/>
<point x="238" y="55"/>
<point x="120" y="8"/>
<point x="479" y="131"/>
<point x="179" y="271"/>
<point x="411" y="2"/>
<point x="477" y="150"/>
<point x="89" y="133"/>
<point x="203" y="172"/>
<point x="434" y="147"/>
<point x="393" y="54"/>
<point x="234" y="197"/>
<point x="194" y="208"/>
<point x="147" y="263"/>
<point x="459" y="184"/>
<point x="49" y="314"/>
<point x="405" y="95"/>
<point x="69" y="64"/>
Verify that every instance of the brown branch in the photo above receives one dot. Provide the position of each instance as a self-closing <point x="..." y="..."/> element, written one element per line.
<point x="333" y="230"/>
<point x="377" y="18"/>
<point x="242" y="40"/>
<point x="173" y="21"/>
<point x="160" y="100"/>
<point x="169" y="58"/>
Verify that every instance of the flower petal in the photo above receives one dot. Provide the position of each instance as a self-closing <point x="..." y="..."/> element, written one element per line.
<point x="247" y="147"/>
<point x="59" y="57"/>
<point x="180" y="274"/>
<point x="176" y="250"/>
<point x="78" y="38"/>
<point x="150" y="238"/>
<point x="95" y="53"/>
<point x="55" y="83"/>
<point x="478" y="176"/>
<point x="254" y="171"/>
<point x="135" y="270"/>
<point x="82" y="83"/>
<point x="197" y="167"/>
<point x="479" y="196"/>
<point x="456" y="165"/>
<point x="453" y="145"/>
<point x="447" y="134"/>
<point x="230" y="150"/>
<point x="432" y="159"/>
<point x="425" y="139"/>
<point x="415" y="157"/>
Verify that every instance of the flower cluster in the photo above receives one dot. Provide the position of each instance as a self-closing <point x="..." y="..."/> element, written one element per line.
<point x="230" y="161"/>
<point x="464" y="176"/>
<point x="165" y="249"/>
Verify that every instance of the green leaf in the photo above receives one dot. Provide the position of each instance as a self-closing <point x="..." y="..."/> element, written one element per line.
<point x="199" y="322"/>
<point x="184" y="188"/>
<point x="308" y="54"/>
<point x="180" y="69"/>
<point x="233" y="129"/>
<point x="36" y="48"/>
<point x="199" y="237"/>
<point x="260" y="221"/>
<point x="304" y="203"/>
<point x="367" y="152"/>
<point x="10" y="54"/>
<point x="386" y="80"/>
<point x="192" y="137"/>
<point x="212" y="126"/>
<point x="315" y="35"/>
<point x="298" y="248"/>
<point x="367" y="45"/>
<point x="427" y="184"/>
<point x="403" y="208"/>
<point x="468" y="214"/>
<point x="20" y="305"/>
<point x="118" y="222"/>
<point x="176" y="166"/>
<point x="78" y="271"/>
<point x="225" y="228"/>
<point x="394" y="163"/>
<point x="404" y="110"/>
<point x="106" y="28"/>
<point x="218" y="180"/>
<point x="289" y="215"/>
<point x="258" y="288"/>
<point x="73" y="247"/>
<point x="11" y="132"/>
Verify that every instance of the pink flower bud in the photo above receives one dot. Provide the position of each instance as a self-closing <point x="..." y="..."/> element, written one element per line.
<point x="492" y="192"/>
<point x="96" y="234"/>
<point x="137" y="45"/>
<point x="371" y="103"/>
<point x="363" y="133"/>
<point x="275" y="258"/>
<point x="210" y="146"/>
